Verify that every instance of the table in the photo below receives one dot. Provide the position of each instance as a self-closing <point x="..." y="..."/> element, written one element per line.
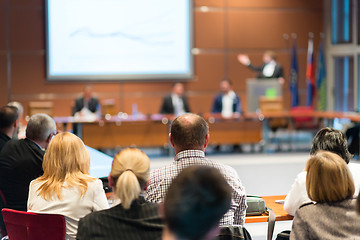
<point x="277" y="208"/>
<point x="153" y="130"/>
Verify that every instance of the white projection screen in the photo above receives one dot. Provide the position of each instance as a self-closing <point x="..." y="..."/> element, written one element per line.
<point x="119" y="40"/>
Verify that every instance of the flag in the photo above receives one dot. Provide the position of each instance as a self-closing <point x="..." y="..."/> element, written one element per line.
<point x="310" y="73"/>
<point x="294" y="77"/>
<point x="321" y="78"/>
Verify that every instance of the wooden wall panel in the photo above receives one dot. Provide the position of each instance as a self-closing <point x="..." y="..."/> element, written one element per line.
<point x="268" y="27"/>
<point x="2" y="29"/>
<point x="3" y="80"/>
<point x="27" y="3"/>
<point x="313" y="4"/>
<point x="218" y="45"/>
<point x="209" y="30"/>
<point x="209" y="3"/>
<point x="209" y="69"/>
<point x="27" y="29"/>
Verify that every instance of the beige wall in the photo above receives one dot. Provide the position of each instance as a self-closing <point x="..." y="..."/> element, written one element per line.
<point x="228" y="28"/>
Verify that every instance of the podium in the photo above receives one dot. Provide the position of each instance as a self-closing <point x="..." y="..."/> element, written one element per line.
<point x="257" y="88"/>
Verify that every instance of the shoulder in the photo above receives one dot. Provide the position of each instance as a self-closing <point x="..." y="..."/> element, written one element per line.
<point x="95" y="184"/>
<point x="79" y="99"/>
<point x="307" y="205"/>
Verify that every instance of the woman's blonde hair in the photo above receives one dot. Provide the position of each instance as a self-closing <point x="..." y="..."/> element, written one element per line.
<point x="328" y="178"/>
<point x="130" y="172"/>
<point x="66" y="160"/>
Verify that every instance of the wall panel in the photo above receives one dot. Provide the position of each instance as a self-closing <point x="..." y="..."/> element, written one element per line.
<point x="27" y="29"/>
<point x="209" y="29"/>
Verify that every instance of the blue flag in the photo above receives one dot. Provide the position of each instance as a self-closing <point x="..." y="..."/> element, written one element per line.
<point x="294" y="77"/>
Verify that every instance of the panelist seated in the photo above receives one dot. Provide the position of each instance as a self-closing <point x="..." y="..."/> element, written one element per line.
<point x="87" y="105"/>
<point x="269" y="69"/>
<point x="226" y="102"/>
<point x="175" y="103"/>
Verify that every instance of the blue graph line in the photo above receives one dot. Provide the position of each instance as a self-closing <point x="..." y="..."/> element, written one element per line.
<point x="144" y="39"/>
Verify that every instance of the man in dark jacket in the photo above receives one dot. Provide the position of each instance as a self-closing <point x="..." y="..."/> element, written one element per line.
<point x="21" y="160"/>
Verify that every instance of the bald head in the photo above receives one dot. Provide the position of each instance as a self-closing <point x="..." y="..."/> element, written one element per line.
<point x="189" y="131"/>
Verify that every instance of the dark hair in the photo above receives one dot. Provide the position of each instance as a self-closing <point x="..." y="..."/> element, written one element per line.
<point x="195" y="202"/>
<point x="8" y="116"/>
<point x="175" y="83"/>
<point x="332" y="140"/>
<point x="226" y="80"/>
<point x="189" y="131"/>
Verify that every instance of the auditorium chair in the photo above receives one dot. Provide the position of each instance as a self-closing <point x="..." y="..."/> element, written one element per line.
<point x="33" y="226"/>
<point x="41" y="107"/>
<point x="2" y="205"/>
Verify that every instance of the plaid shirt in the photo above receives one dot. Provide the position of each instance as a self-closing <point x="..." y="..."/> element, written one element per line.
<point x="161" y="178"/>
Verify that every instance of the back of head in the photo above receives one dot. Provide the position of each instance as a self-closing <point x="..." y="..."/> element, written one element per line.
<point x="8" y="116"/>
<point x="195" y="202"/>
<point x="332" y="140"/>
<point x="189" y="131"/>
<point x="130" y="172"/>
<point x="18" y="106"/>
<point x="328" y="178"/>
<point x="271" y="54"/>
<point x="66" y="159"/>
<point x="40" y="126"/>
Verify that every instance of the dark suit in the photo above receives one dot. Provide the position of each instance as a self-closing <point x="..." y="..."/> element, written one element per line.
<point x="141" y="221"/>
<point x="92" y="104"/>
<point x="167" y="106"/>
<point x="278" y="71"/>
<point x="20" y="163"/>
<point x="3" y="139"/>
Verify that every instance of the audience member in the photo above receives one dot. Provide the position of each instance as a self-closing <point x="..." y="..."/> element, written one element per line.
<point x="66" y="187"/>
<point x="327" y="139"/>
<point x="22" y="123"/>
<point x="195" y="202"/>
<point x="227" y="102"/>
<point x="269" y="69"/>
<point x="189" y="137"/>
<point x="133" y="218"/>
<point x="87" y="103"/>
<point x="332" y="214"/>
<point x="21" y="160"/>
<point x="176" y="103"/>
<point x="8" y="124"/>
<point x="353" y="138"/>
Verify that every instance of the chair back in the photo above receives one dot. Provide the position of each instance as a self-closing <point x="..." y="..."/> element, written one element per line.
<point x="233" y="232"/>
<point x="33" y="226"/>
<point x="2" y="205"/>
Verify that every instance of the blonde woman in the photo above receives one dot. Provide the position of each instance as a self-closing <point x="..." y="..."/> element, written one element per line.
<point x="333" y="214"/>
<point x="133" y="218"/>
<point x="66" y="187"/>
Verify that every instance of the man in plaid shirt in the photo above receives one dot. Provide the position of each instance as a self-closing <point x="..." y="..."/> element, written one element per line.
<point x="189" y="137"/>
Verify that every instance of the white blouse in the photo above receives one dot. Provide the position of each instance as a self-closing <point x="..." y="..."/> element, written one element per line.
<point x="71" y="206"/>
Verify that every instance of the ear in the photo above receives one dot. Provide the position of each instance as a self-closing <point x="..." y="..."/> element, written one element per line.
<point x="49" y="138"/>
<point x="207" y="137"/>
<point x="171" y="140"/>
<point x="16" y="123"/>
<point x="111" y="181"/>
